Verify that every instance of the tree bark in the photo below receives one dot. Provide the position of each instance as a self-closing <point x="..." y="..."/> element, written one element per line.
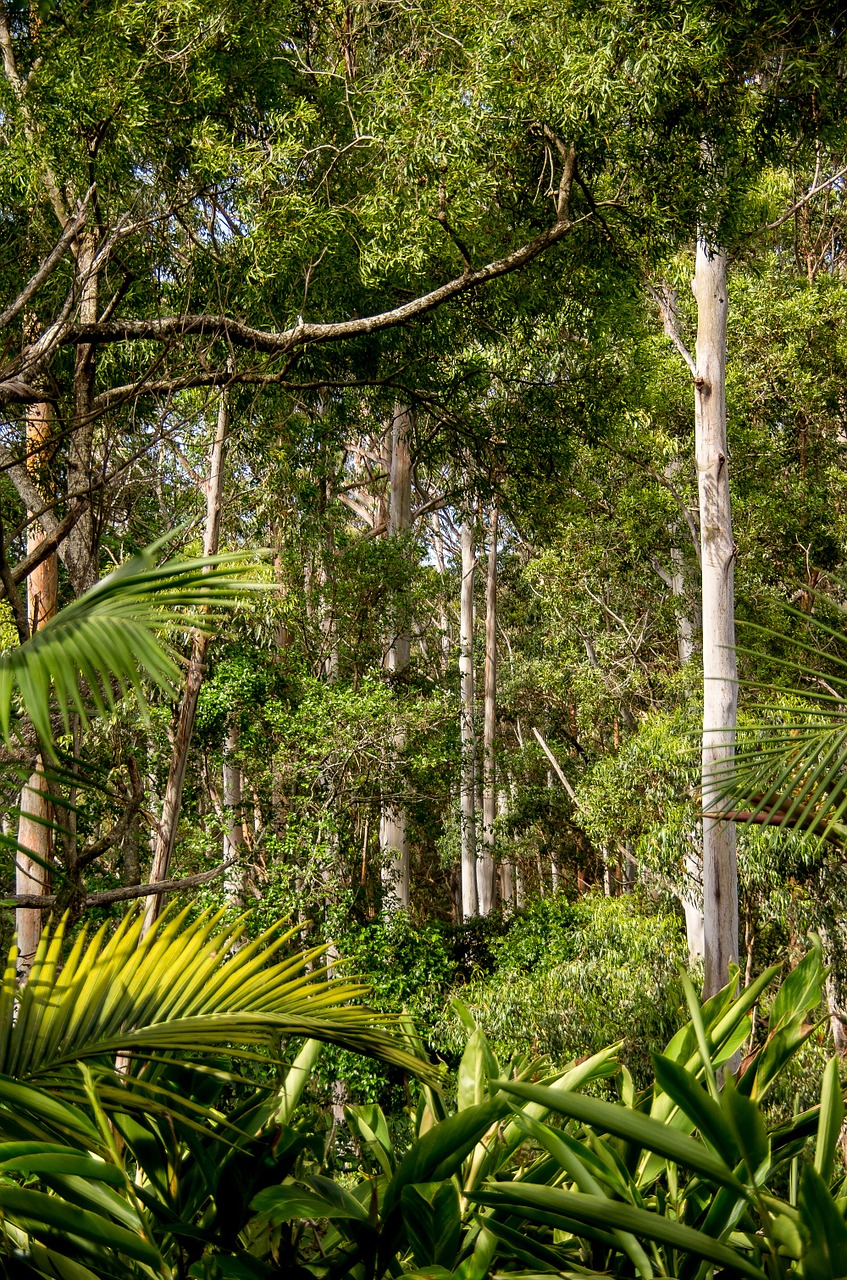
<point x="233" y="841"/>
<point x="80" y="551"/>
<point x="32" y="873"/>
<point x="487" y="875"/>
<point x="172" y="802"/>
<point x="720" y="679"/>
<point x="470" y="901"/>
<point x="393" y="824"/>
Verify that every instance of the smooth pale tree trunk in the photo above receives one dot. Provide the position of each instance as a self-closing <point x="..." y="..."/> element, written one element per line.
<point x="470" y="900"/>
<point x="487" y="871"/>
<point x="692" y="896"/>
<point x="233" y="839"/>
<point x="32" y="875"/>
<point x="720" y="678"/>
<point x="393" y="823"/>
<point x="172" y="802"/>
<point x="507" y="868"/>
<point x="443" y="620"/>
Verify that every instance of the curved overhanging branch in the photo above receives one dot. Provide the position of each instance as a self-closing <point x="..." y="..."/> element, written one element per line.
<point x="302" y="334"/>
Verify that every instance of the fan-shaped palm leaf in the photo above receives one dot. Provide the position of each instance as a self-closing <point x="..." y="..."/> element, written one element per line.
<point x="791" y="770"/>
<point x="102" y="645"/>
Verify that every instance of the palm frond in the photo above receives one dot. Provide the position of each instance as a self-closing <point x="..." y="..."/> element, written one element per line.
<point x="100" y="647"/>
<point x="182" y="989"/>
<point x="790" y="768"/>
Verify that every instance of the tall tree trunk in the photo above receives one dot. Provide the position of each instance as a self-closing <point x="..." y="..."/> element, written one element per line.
<point x="692" y="892"/>
<point x="507" y="867"/>
<point x="470" y="901"/>
<point x="487" y="863"/>
<point x="172" y="802"/>
<point x="443" y="619"/>
<point x="81" y="551"/>
<point x="233" y="841"/>
<point x="720" y="679"/>
<point x="32" y="873"/>
<point x="393" y="824"/>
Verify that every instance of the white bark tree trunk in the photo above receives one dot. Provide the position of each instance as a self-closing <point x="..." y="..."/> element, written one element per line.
<point x="393" y="823"/>
<point x="233" y="840"/>
<point x="720" y="678"/>
<point x="487" y="872"/>
<point x="470" y="900"/>
<point x="507" y="869"/>
<point x="172" y="803"/>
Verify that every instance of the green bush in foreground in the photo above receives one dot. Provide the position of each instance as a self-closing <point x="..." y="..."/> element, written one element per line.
<point x="684" y="1179"/>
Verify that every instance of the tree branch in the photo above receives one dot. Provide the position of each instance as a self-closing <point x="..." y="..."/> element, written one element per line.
<point x="52" y="260"/>
<point x="125" y="894"/>
<point x="671" y="325"/>
<point x="44" y="549"/>
<point x="301" y="335"/>
<point x="810" y="195"/>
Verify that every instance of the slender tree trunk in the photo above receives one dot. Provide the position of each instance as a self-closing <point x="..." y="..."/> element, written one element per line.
<point x="720" y="680"/>
<point x="692" y="890"/>
<point x="32" y="875"/>
<point x="81" y="549"/>
<point x="233" y="840"/>
<point x="443" y="619"/>
<point x="507" y="867"/>
<point x="470" y="901"/>
<point x="393" y="825"/>
<point x="172" y="803"/>
<point x="487" y="862"/>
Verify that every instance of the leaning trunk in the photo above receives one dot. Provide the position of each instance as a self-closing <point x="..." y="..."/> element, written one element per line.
<point x="470" y="903"/>
<point x="393" y="825"/>
<point x="172" y="803"/>
<point x="487" y="863"/>
<point x="720" y="680"/>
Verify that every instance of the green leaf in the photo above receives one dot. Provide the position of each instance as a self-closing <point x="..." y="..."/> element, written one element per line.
<point x="824" y="1226"/>
<point x="746" y="1123"/>
<point x="41" y="1211"/>
<point x="635" y="1127"/>
<point x="831" y="1120"/>
<point x="432" y="1217"/>
<point x="598" y="1211"/>
<point x="477" y="1069"/>
<point x="692" y="1099"/>
<point x="289" y="1202"/>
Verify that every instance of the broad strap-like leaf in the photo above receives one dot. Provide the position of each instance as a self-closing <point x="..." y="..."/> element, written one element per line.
<point x="633" y="1126"/>
<point x="562" y="1208"/>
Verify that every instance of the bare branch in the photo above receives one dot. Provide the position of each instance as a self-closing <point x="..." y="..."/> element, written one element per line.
<point x="125" y="894"/>
<point x="301" y="335"/>
<point x="813" y="191"/>
<point x="671" y="325"/>
<point x="52" y="260"/>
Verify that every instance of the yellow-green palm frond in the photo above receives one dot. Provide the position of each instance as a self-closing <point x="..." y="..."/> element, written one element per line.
<point x="182" y="989"/>
<point x="101" y="646"/>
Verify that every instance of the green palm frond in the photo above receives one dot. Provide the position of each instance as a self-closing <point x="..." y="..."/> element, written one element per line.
<point x="790" y="770"/>
<point x="101" y="646"/>
<point x="182" y="990"/>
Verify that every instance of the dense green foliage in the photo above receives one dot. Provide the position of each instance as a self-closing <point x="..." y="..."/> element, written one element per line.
<point x="376" y="318"/>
